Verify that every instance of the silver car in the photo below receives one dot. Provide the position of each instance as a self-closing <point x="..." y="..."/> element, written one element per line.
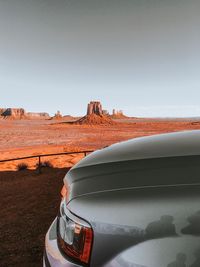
<point x="133" y="204"/>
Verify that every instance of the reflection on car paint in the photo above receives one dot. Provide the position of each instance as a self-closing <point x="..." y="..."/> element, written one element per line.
<point x="183" y="251"/>
<point x="163" y="227"/>
<point x="197" y="259"/>
<point x="158" y="229"/>
<point x="194" y="225"/>
<point x="179" y="262"/>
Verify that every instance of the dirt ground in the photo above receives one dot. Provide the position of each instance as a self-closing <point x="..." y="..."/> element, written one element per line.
<point x="29" y="203"/>
<point x="20" y="138"/>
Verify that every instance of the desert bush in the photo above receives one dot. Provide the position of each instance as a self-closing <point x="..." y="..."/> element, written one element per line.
<point x="45" y="164"/>
<point x="22" y="166"/>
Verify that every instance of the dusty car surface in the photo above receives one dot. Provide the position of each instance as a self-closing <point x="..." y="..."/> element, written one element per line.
<point x="133" y="204"/>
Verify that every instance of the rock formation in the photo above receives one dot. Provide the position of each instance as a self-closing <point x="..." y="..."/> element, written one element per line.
<point x="15" y="113"/>
<point x="20" y="113"/>
<point x="95" y="115"/>
<point x="57" y="115"/>
<point x="118" y="114"/>
<point x="37" y="115"/>
<point x="94" y="107"/>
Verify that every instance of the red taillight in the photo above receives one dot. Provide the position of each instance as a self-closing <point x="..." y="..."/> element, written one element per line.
<point x="75" y="236"/>
<point x="87" y="245"/>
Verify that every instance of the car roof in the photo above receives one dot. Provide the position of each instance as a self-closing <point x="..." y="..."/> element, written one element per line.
<point x="186" y="143"/>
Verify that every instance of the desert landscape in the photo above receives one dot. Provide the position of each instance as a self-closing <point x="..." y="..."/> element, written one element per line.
<point x="30" y="200"/>
<point x="22" y="135"/>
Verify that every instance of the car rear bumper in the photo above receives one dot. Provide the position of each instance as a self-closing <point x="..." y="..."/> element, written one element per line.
<point x="52" y="256"/>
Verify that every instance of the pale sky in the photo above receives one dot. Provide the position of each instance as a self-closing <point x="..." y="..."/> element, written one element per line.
<point x="141" y="56"/>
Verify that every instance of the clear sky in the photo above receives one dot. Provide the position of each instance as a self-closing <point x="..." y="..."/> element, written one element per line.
<point x="141" y="56"/>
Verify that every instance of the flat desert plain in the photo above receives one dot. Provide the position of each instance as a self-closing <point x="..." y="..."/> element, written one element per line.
<point x="20" y="138"/>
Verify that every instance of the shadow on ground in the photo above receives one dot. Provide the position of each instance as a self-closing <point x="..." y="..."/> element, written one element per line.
<point x="29" y="202"/>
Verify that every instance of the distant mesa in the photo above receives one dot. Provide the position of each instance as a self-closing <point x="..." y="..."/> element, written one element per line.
<point x="95" y="115"/>
<point x="20" y="113"/>
<point x="118" y="114"/>
<point x="14" y="113"/>
<point x="37" y="115"/>
<point x="57" y="116"/>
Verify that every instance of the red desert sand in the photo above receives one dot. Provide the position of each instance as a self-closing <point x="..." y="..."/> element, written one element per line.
<point x="20" y="138"/>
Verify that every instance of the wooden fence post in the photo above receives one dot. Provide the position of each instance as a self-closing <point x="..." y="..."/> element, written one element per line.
<point x="39" y="165"/>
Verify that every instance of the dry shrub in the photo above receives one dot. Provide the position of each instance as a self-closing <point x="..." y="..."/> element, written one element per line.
<point x="45" y="164"/>
<point x="22" y="166"/>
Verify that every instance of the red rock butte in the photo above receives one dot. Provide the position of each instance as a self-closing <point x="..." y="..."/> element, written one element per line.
<point x="94" y="107"/>
<point x="95" y="115"/>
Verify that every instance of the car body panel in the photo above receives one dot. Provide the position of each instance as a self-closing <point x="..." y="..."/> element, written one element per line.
<point x="138" y="161"/>
<point x="132" y="174"/>
<point x="142" y="199"/>
<point x="185" y="143"/>
<point x="127" y="220"/>
<point x="167" y="252"/>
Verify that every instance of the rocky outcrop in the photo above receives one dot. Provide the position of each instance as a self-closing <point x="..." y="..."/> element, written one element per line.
<point x="16" y="113"/>
<point x="94" y="107"/>
<point x="118" y="114"/>
<point x="57" y="116"/>
<point x="20" y="113"/>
